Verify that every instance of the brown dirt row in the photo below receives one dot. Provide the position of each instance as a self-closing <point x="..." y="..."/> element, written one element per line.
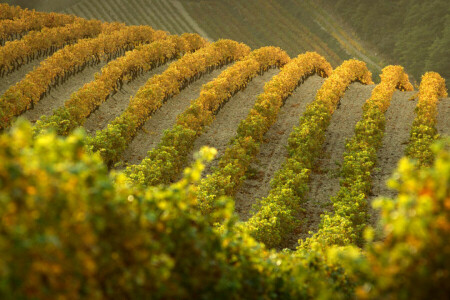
<point x="116" y="104"/>
<point x="19" y="74"/>
<point x="227" y="120"/>
<point x="443" y="117"/>
<point x="164" y="118"/>
<point x="273" y="151"/>
<point x="60" y="94"/>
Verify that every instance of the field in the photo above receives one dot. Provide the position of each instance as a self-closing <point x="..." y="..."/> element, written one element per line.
<point x="305" y="144"/>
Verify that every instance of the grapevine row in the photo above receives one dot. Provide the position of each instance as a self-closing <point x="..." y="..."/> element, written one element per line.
<point x="164" y="163"/>
<point x="350" y="204"/>
<point x="423" y="131"/>
<point x="246" y="143"/>
<point x="113" y="140"/>
<point x="142" y="59"/>
<point x="41" y="43"/>
<point x="14" y="29"/>
<point x="275" y="217"/>
<point x="67" y="61"/>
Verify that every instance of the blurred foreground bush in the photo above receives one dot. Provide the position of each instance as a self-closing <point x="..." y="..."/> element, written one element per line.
<point x="69" y="229"/>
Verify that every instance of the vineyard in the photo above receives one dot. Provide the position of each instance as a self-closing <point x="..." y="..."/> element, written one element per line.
<point x="140" y="164"/>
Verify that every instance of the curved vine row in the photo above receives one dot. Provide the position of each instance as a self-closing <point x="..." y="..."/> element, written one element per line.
<point x="67" y="61"/>
<point x="275" y="217"/>
<point x="112" y="141"/>
<point x="423" y="131"/>
<point x="164" y="163"/>
<point x="245" y="145"/>
<point x="350" y="204"/>
<point x="13" y="29"/>
<point x="41" y="43"/>
<point x="142" y="59"/>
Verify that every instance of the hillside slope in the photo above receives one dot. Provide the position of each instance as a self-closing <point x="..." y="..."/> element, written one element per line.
<point x="413" y="33"/>
<point x="293" y="26"/>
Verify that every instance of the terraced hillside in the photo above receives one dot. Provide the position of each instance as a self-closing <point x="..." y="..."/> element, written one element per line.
<point x="150" y="100"/>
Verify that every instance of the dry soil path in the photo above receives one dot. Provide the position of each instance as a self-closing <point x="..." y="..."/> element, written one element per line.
<point x="443" y="117"/>
<point x="18" y="75"/>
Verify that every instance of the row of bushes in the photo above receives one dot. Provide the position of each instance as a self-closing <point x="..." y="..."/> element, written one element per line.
<point x="113" y="140"/>
<point x="275" y="217"/>
<point x="72" y="230"/>
<point x="32" y="20"/>
<point x="16" y="53"/>
<point x="244" y="146"/>
<point x="423" y="131"/>
<point x="70" y="60"/>
<point x="350" y="204"/>
<point x="142" y="59"/>
<point x="165" y="162"/>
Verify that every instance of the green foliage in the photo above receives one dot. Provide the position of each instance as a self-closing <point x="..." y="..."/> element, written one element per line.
<point x="164" y="163"/>
<point x="72" y="230"/>
<point x="62" y="121"/>
<point x="413" y="260"/>
<point x="423" y="131"/>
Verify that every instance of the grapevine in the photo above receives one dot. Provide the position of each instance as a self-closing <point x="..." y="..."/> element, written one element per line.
<point x="14" y="29"/>
<point x="41" y="43"/>
<point x="423" y="131"/>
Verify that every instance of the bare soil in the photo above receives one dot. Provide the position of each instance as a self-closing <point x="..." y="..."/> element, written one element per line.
<point x="117" y="104"/>
<point x="164" y="118"/>
<point x="273" y="151"/>
<point x="18" y="74"/>
<point x="58" y="95"/>
<point x="443" y="117"/>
